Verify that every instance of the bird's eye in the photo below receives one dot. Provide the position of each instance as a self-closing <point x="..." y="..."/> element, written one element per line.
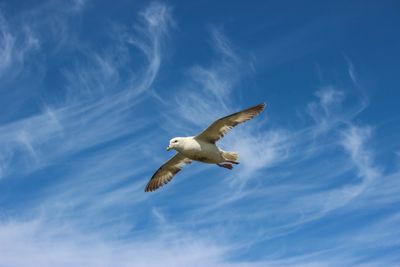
<point x="175" y="141"/>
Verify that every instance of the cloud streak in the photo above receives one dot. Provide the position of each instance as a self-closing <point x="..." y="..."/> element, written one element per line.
<point x="76" y="167"/>
<point x="14" y="47"/>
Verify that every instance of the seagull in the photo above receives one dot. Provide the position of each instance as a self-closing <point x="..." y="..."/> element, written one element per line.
<point x="202" y="148"/>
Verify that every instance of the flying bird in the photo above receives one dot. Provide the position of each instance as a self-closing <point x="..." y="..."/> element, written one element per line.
<point x="202" y="148"/>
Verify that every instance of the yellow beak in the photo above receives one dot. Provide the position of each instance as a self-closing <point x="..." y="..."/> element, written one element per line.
<point x="168" y="148"/>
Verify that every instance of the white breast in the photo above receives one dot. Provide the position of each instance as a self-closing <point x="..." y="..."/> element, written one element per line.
<point x="201" y="151"/>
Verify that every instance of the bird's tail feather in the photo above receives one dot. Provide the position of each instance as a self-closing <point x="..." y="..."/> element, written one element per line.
<point x="230" y="156"/>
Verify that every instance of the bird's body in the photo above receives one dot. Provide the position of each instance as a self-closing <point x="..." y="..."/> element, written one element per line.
<point x="202" y="147"/>
<point x="200" y="150"/>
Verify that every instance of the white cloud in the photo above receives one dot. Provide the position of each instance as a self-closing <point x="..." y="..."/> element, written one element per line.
<point x="324" y="112"/>
<point x="156" y="21"/>
<point x="224" y="47"/>
<point x="47" y="245"/>
<point x="15" y="45"/>
<point x="353" y="140"/>
<point x="78" y="5"/>
<point x="7" y="42"/>
<point x="97" y="104"/>
<point x="94" y="213"/>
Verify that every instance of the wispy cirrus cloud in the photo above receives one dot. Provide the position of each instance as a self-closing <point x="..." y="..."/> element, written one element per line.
<point x="15" y="44"/>
<point x="60" y="247"/>
<point x="96" y="107"/>
<point x="354" y="140"/>
<point x="309" y="194"/>
<point x="23" y="35"/>
<point x="215" y="85"/>
<point x="97" y="145"/>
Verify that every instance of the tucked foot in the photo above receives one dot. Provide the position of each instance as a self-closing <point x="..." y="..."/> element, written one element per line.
<point x="226" y="165"/>
<point x="233" y="162"/>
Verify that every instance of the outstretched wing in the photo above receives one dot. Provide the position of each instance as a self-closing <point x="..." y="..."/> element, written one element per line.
<point x="166" y="172"/>
<point x="220" y="127"/>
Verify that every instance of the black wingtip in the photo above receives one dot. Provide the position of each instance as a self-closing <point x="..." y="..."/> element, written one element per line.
<point x="148" y="189"/>
<point x="260" y="107"/>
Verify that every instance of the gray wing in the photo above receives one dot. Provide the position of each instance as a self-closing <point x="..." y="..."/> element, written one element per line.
<point x="220" y="127"/>
<point x="166" y="172"/>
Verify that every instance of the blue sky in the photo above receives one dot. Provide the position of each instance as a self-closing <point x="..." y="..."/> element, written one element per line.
<point x="92" y="91"/>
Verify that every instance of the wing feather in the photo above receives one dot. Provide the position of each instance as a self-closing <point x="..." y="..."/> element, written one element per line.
<point x="166" y="172"/>
<point x="220" y="127"/>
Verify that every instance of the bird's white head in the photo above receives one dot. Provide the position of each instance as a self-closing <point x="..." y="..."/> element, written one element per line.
<point x="175" y="143"/>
